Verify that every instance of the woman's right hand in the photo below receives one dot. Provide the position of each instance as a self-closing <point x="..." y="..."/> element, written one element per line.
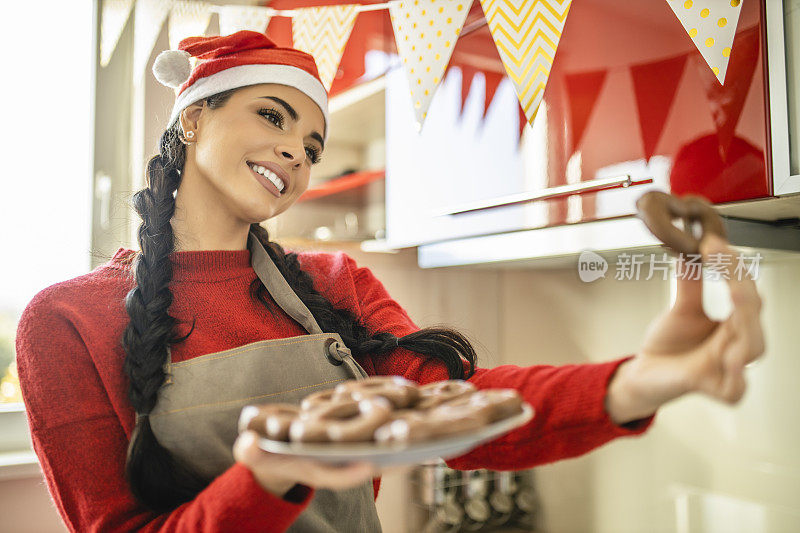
<point x="278" y="473"/>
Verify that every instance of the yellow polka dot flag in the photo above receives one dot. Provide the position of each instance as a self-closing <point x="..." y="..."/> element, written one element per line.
<point x="238" y="18"/>
<point x="527" y="33"/>
<point x="323" y="32"/>
<point x="426" y="32"/>
<point x="712" y="25"/>
<point x="187" y="19"/>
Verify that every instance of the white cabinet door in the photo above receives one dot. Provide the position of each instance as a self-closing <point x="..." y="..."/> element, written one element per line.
<point x="455" y="159"/>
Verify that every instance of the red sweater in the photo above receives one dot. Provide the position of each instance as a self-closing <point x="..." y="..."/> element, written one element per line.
<point x="69" y="357"/>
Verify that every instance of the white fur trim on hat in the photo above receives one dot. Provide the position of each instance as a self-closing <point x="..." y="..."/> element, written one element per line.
<point x="172" y="68"/>
<point x="244" y="75"/>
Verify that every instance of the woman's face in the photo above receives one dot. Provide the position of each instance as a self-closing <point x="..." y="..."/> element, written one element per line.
<point x="259" y="126"/>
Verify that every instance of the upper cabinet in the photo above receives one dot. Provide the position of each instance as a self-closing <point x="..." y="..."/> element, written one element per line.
<point x="345" y="198"/>
<point x="783" y="56"/>
<point x="792" y="46"/>
<point x="630" y="105"/>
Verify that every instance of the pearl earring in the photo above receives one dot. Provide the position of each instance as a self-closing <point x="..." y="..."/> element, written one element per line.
<point x="190" y="134"/>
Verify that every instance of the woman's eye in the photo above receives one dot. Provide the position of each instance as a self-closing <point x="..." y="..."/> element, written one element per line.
<point x="313" y="154"/>
<point x="273" y="115"/>
<point x="277" y="118"/>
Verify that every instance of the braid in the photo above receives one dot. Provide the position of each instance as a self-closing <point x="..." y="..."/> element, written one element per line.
<point x="156" y="478"/>
<point x="444" y="344"/>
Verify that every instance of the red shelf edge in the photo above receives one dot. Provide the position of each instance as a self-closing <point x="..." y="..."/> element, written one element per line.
<point x="343" y="183"/>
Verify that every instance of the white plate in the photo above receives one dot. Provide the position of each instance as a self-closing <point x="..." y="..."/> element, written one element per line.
<point x="399" y="453"/>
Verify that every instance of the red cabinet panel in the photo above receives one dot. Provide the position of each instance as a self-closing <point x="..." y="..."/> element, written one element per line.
<point x="628" y="84"/>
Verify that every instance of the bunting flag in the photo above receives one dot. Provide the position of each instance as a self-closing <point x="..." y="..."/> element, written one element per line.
<point x="493" y="80"/>
<point x="655" y="85"/>
<point x="237" y="18"/>
<point x="712" y="25"/>
<point x="149" y="17"/>
<point x="115" y="15"/>
<point x="467" y="74"/>
<point x="426" y="32"/>
<point x="582" y="91"/>
<point x="187" y="19"/>
<point x="527" y="33"/>
<point x="323" y="32"/>
<point x="523" y="120"/>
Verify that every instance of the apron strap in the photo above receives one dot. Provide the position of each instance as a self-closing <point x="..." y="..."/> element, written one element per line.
<point x="278" y="287"/>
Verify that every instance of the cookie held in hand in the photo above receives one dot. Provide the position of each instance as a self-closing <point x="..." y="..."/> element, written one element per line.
<point x="658" y="209"/>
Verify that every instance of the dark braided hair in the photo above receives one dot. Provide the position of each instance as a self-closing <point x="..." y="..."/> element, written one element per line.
<point x="156" y="478"/>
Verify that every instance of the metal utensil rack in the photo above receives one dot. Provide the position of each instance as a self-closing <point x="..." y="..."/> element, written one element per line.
<point x="448" y="500"/>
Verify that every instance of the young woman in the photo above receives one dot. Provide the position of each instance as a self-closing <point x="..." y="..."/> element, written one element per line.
<point x="134" y="374"/>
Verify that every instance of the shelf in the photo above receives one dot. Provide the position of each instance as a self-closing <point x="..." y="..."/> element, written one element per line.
<point x="356" y="94"/>
<point x="19" y="464"/>
<point x="357" y="115"/>
<point x="349" y="182"/>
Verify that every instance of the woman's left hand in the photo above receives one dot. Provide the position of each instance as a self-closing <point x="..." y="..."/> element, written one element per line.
<point x="685" y="351"/>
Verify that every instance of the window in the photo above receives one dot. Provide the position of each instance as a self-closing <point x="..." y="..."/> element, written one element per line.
<point x="47" y="99"/>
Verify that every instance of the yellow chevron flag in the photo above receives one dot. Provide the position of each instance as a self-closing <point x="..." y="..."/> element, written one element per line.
<point x="527" y="33"/>
<point x="323" y="32"/>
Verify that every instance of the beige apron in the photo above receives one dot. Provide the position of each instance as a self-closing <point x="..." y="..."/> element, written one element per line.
<point x="199" y="404"/>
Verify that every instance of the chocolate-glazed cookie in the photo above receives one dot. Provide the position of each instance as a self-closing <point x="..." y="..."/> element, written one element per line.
<point x="658" y="209"/>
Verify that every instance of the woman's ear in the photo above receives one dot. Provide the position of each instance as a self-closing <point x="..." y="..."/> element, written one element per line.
<point x="190" y="116"/>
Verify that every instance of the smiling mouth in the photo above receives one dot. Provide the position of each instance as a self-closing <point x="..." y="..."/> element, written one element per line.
<point x="269" y="176"/>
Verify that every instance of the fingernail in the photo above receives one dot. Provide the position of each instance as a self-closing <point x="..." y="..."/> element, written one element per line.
<point x="248" y="438"/>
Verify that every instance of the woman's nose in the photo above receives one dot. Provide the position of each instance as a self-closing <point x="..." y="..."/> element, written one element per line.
<point x="291" y="154"/>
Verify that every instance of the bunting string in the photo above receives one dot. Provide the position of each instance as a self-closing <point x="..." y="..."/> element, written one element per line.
<point x="526" y="33"/>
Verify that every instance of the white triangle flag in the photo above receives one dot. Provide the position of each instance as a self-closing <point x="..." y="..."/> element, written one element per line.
<point x="323" y="32"/>
<point x="115" y="15"/>
<point x="426" y="32"/>
<point x="149" y="17"/>
<point x="237" y="18"/>
<point x="187" y="19"/>
<point x="712" y="26"/>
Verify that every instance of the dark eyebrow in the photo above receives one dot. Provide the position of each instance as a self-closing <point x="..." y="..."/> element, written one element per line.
<point x="293" y="114"/>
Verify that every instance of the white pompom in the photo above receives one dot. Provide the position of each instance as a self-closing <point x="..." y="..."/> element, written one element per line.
<point x="172" y="67"/>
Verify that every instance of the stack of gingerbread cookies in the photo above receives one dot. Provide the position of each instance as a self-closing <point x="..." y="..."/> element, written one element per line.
<point x="383" y="409"/>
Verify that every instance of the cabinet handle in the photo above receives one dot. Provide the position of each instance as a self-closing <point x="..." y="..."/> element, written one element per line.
<point x="544" y="194"/>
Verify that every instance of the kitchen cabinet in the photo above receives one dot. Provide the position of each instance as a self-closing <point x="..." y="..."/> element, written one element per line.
<point x="345" y="198"/>
<point x="629" y="96"/>
<point x="783" y="52"/>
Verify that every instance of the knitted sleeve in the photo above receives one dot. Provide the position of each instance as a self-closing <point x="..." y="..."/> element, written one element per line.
<point x="569" y="400"/>
<point x="81" y="445"/>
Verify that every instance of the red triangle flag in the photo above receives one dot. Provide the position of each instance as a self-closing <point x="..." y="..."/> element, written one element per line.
<point x="493" y="79"/>
<point x="467" y="74"/>
<point x="655" y="85"/>
<point x="523" y="121"/>
<point x="582" y="91"/>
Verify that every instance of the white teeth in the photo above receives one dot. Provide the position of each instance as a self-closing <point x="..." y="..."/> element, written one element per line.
<point x="271" y="176"/>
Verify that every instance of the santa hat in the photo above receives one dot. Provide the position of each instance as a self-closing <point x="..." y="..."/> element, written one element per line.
<point x="237" y="60"/>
